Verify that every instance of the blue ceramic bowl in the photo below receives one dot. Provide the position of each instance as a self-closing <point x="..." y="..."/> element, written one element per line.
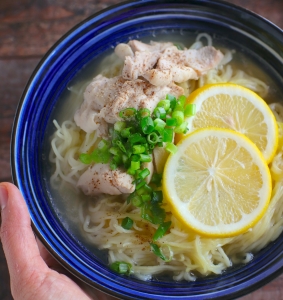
<point x="76" y="49"/>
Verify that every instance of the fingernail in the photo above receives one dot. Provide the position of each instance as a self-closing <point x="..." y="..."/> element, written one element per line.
<point x="3" y="196"/>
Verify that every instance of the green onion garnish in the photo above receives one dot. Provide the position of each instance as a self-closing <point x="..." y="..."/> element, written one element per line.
<point x="161" y="230"/>
<point x="158" y="252"/>
<point x="145" y="158"/>
<point x="190" y="110"/>
<point x="143" y="112"/>
<point x="119" y="125"/>
<point x="171" y="148"/>
<point x="159" y="112"/>
<point x="127" y="113"/>
<point x="127" y="223"/>
<point x="144" y="173"/>
<point x="147" y="125"/>
<point x="138" y="149"/>
<point x="164" y="104"/>
<point x="85" y="158"/>
<point x="171" y="122"/>
<point x="157" y="196"/>
<point x="154" y="138"/>
<point x="121" y="267"/>
<point x="168" y="135"/>
<point x="178" y="116"/>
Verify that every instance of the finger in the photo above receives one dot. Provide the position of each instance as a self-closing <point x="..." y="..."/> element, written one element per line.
<point x="17" y="237"/>
<point x="51" y="262"/>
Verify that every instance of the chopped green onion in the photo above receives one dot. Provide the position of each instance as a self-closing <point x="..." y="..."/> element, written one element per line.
<point x="182" y="100"/>
<point x="125" y="133"/>
<point x="143" y="112"/>
<point x="178" y="107"/>
<point x="145" y="158"/>
<point x="165" y="104"/>
<point x="137" y="200"/>
<point x="161" y="230"/>
<point x="125" y="159"/>
<point x="138" y="149"/>
<point x="115" y="151"/>
<point x="135" y="165"/>
<point x="103" y="145"/>
<point x="113" y="165"/>
<point x="144" y="173"/>
<point x="85" y="158"/>
<point x="153" y="212"/>
<point x="119" y="126"/>
<point x="121" y="146"/>
<point x="173" y="101"/>
<point x="158" y="252"/>
<point x="168" y="135"/>
<point x="159" y="112"/>
<point x="178" y="116"/>
<point x="99" y="156"/>
<point x="156" y="179"/>
<point x="190" y="110"/>
<point x="145" y="190"/>
<point x="171" y="122"/>
<point x="170" y="97"/>
<point x="182" y="128"/>
<point x="131" y="171"/>
<point x="136" y="138"/>
<point x="121" y="267"/>
<point x="171" y="148"/>
<point x="153" y="138"/>
<point x="145" y="198"/>
<point x="127" y="223"/>
<point x="127" y="113"/>
<point x="140" y="184"/>
<point x="157" y="196"/>
<point x="117" y="159"/>
<point x="147" y="125"/>
<point x="159" y="125"/>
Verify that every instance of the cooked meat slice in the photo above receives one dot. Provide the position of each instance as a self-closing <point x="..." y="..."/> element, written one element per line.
<point x="123" y="50"/>
<point x="90" y="120"/>
<point x="106" y="97"/>
<point x="204" y="59"/>
<point x="97" y="94"/>
<point x="190" y="63"/>
<point x="162" y="63"/>
<point x="137" y="94"/>
<point x="158" y="77"/>
<point x="101" y="90"/>
<point x="100" y="179"/>
<point x="152" y="47"/>
<point x="140" y="63"/>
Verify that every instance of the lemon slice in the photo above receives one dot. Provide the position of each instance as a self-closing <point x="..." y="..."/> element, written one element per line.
<point x="232" y="106"/>
<point x="218" y="183"/>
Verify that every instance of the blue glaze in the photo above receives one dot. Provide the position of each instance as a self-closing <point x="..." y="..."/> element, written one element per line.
<point x="78" y="47"/>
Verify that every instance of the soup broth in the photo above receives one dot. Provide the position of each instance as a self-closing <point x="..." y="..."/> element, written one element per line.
<point x="72" y="206"/>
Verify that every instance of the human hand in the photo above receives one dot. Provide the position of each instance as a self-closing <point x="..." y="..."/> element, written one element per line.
<point x="34" y="274"/>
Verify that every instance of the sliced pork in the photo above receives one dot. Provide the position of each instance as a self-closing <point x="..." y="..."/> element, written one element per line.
<point x="100" y="179"/>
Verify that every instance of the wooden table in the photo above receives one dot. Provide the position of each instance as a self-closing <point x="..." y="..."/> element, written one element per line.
<point x="28" y="28"/>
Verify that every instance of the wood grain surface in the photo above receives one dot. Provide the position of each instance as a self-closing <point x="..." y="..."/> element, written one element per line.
<point x="28" y="28"/>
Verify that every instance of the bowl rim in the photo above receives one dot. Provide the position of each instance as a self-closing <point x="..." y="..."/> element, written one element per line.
<point x="94" y="18"/>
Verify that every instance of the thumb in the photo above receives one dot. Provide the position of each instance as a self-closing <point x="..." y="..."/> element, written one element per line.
<point x="18" y="240"/>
